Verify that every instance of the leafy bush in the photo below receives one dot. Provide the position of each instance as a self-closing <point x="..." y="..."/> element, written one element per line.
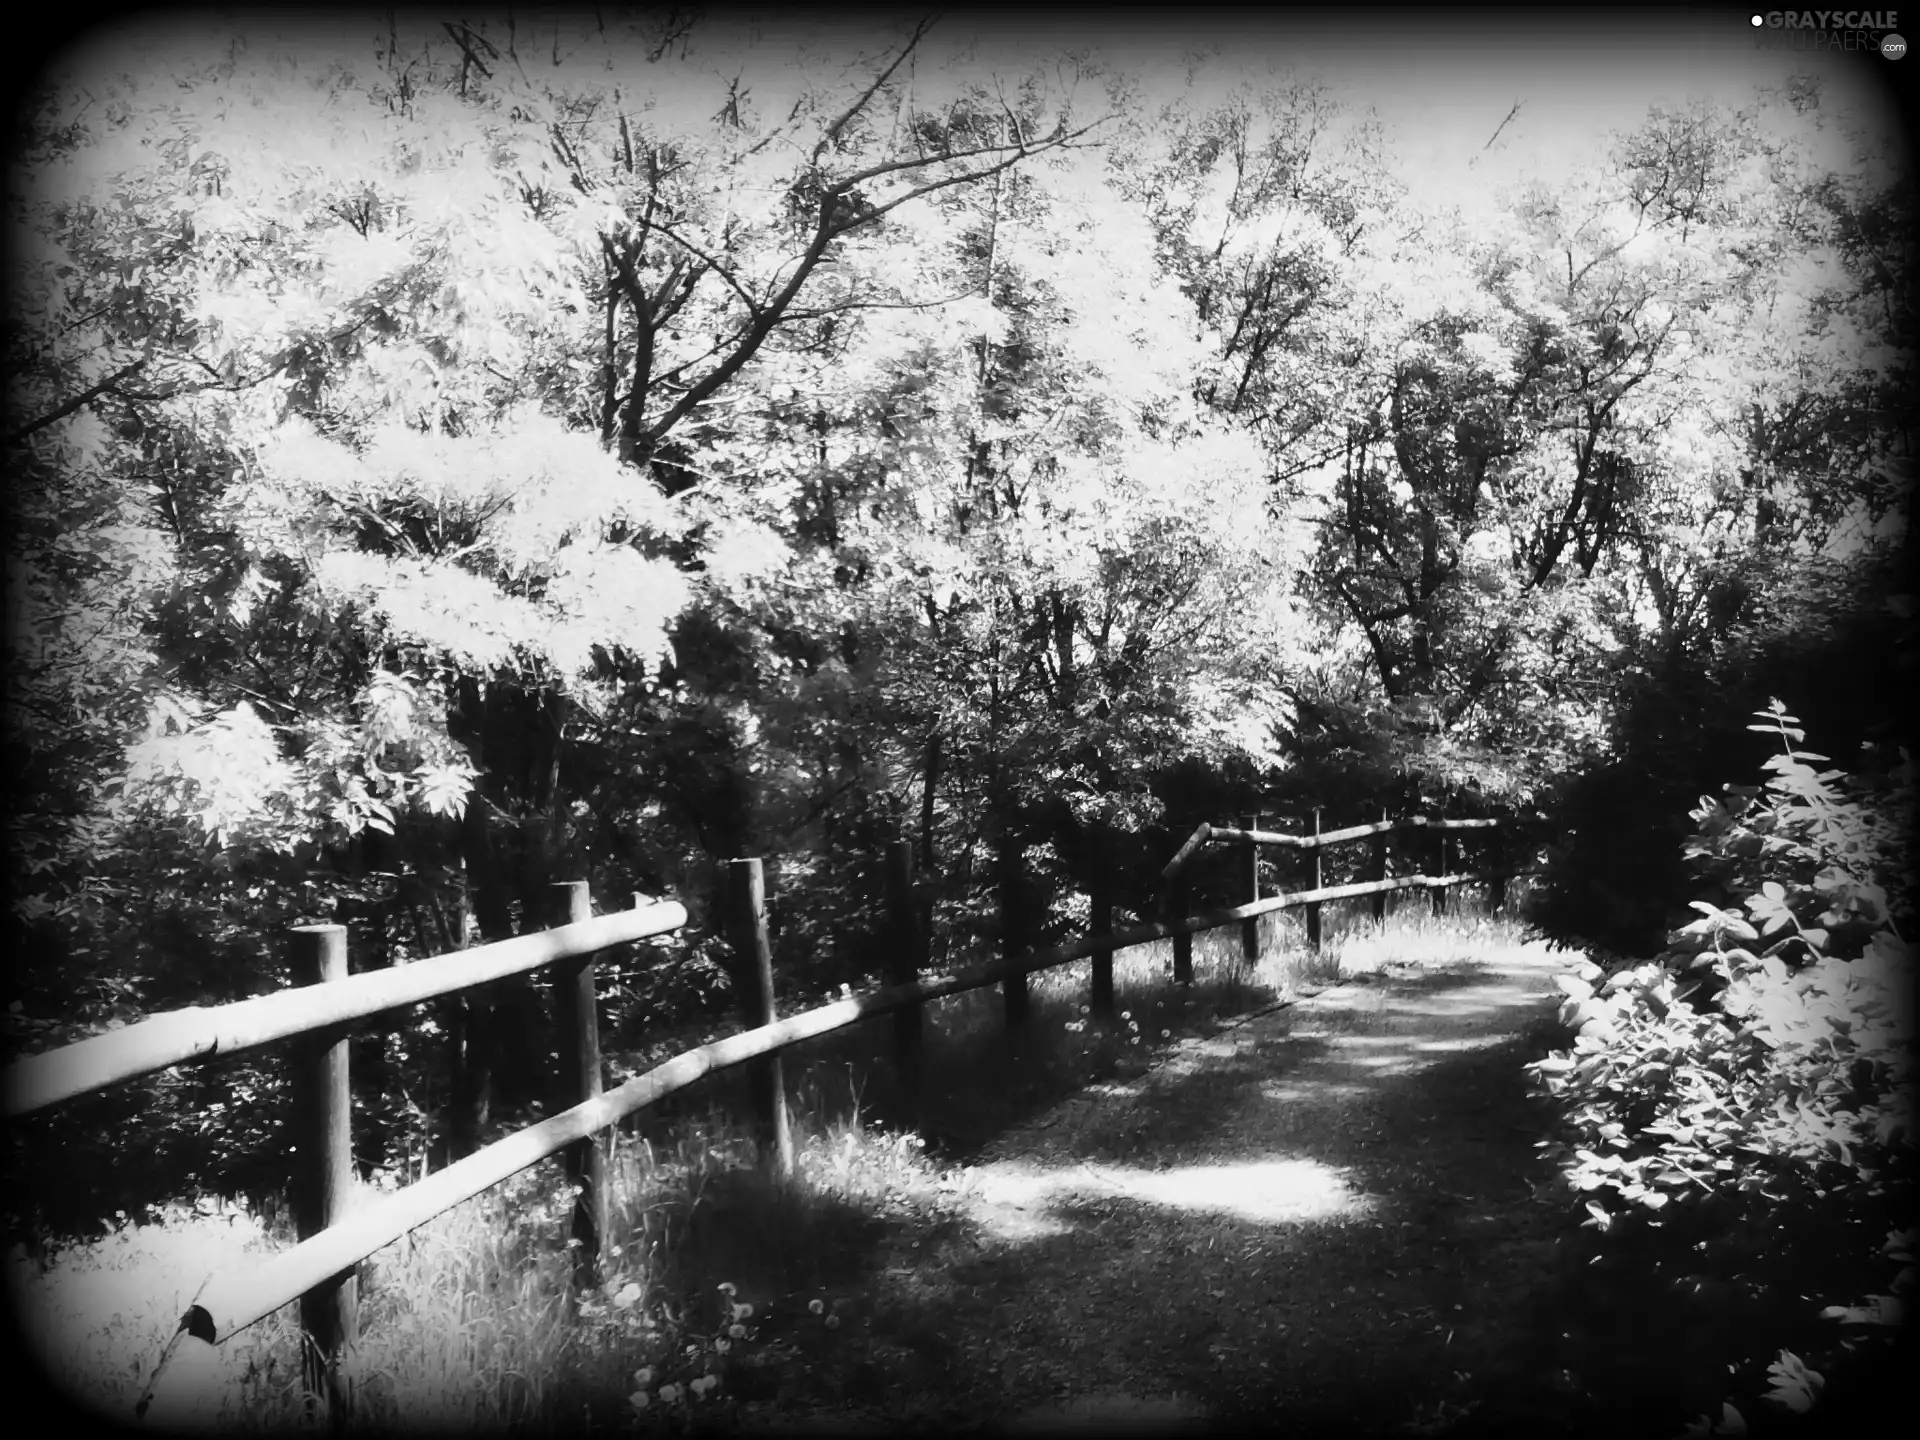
<point x="1749" y="1092"/>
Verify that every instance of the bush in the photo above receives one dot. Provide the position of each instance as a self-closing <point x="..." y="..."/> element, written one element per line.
<point x="1745" y="1099"/>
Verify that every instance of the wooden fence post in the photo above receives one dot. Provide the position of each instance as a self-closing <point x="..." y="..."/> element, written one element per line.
<point x="1014" y="900"/>
<point x="1380" y="867"/>
<point x="1250" y="887"/>
<point x="1319" y="878"/>
<point x="577" y="1009"/>
<point x="1497" y="886"/>
<point x="904" y="954"/>
<point x="1100" y="921"/>
<point x="1439" y="892"/>
<point x="1176" y="909"/>
<point x="323" y="1164"/>
<point x="753" y="964"/>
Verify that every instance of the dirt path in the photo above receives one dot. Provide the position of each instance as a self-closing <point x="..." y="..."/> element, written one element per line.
<point x="1322" y="1217"/>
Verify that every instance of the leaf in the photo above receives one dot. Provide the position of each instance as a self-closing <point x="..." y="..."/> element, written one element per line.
<point x="1795" y="1386"/>
<point x="1882" y="1310"/>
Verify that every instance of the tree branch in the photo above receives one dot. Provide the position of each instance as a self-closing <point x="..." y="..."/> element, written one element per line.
<point x="85" y="397"/>
<point x="845" y="117"/>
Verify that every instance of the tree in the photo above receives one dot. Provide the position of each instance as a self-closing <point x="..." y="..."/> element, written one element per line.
<point x="326" y="356"/>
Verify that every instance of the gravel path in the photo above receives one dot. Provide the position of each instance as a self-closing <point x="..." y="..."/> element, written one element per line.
<point x="1322" y="1217"/>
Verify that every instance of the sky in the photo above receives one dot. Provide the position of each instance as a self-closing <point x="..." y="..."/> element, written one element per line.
<point x="1441" y="81"/>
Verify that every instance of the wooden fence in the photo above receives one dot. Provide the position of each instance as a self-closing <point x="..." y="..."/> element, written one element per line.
<point x="335" y="1237"/>
<point x="1249" y="837"/>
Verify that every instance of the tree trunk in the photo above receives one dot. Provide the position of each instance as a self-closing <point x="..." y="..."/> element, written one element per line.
<point x="472" y="1011"/>
<point x="1015" y="921"/>
<point x="926" y="803"/>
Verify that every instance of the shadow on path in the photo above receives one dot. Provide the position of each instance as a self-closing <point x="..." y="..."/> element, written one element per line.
<point x="1322" y="1219"/>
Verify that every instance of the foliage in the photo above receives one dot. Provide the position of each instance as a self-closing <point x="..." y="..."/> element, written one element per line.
<point x="1762" y="1067"/>
<point x="1832" y="635"/>
<point x="458" y="456"/>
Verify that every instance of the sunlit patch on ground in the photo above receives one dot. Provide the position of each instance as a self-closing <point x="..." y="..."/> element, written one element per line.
<point x="1271" y="1191"/>
<point x="1294" y="1092"/>
<point x="1460" y="1043"/>
<point x="1021" y="1201"/>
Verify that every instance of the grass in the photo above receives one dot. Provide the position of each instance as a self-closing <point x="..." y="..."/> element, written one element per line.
<point x="716" y="1276"/>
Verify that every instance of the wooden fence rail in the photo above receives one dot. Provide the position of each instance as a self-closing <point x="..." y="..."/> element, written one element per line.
<point x="230" y="1305"/>
<point x="1250" y="837"/>
<point x="336" y="1236"/>
<point x="201" y="1033"/>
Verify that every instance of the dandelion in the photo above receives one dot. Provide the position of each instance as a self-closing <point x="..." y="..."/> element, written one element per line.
<point x="614" y="1251"/>
<point x="1164" y="1034"/>
<point x="738" y="1332"/>
<point x="1126" y="1014"/>
<point x="639" y="1400"/>
<point x="743" y="1311"/>
<point x="1133" y="1040"/>
<point x="815" y="1307"/>
<point x="643" y="1377"/>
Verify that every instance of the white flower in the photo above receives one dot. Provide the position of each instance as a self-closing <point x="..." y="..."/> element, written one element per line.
<point x="639" y="1400"/>
<point x="815" y="1307"/>
<point x="643" y="1377"/>
<point x="669" y="1394"/>
<point x="721" y="1347"/>
<point x="738" y="1332"/>
<point x="743" y="1311"/>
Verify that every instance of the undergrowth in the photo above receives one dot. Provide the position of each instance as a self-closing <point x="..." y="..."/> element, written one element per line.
<point x="720" y="1284"/>
<point x="1738" y="1114"/>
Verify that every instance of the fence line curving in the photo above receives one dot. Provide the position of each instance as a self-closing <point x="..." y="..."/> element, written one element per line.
<point x="335" y="1237"/>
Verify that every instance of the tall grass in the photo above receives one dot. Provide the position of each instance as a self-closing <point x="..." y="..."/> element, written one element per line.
<point x="715" y="1276"/>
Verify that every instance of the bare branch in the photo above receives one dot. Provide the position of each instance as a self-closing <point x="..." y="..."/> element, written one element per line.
<point x="845" y="117"/>
<point x="726" y="276"/>
<point x="1059" y="140"/>
<point x="965" y="177"/>
<point x="846" y="305"/>
<point x="107" y="386"/>
<point x="1501" y="126"/>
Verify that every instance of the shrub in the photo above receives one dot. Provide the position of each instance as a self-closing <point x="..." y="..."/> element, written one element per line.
<point x="1749" y="1092"/>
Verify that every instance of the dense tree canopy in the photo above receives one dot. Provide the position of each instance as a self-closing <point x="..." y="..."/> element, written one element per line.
<point x="456" y="456"/>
